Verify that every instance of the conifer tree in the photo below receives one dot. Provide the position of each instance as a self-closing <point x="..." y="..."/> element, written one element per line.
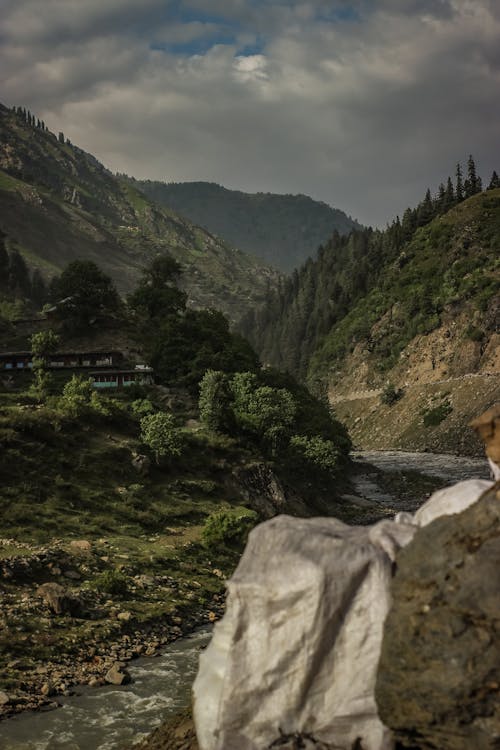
<point x="494" y="182"/>
<point x="449" y="197"/>
<point x="459" y="186"/>
<point x="473" y="182"/>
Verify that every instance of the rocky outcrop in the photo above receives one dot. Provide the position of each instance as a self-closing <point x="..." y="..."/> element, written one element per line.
<point x="264" y="493"/>
<point x="438" y="683"/>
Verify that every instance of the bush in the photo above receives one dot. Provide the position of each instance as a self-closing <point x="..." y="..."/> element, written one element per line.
<point x="141" y="407"/>
<point x="229" y="528"/>
<point x="215" y="401"/>
<point x="322" y="454"/>
<point x="159" y="432"/>
<point x="433" y="417"/>
<point x="76" y="396"/>
<point x="112" y="582"/>
<point x="390" y="394"/>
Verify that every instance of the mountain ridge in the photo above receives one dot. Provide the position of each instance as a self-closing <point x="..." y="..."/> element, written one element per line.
<point x="281" y="229"/>
<point x="60" y="203"/>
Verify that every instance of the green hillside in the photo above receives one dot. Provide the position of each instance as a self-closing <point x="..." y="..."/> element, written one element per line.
<point x="400" y="327"/>
<point x="58" y="203"/>
<point x="283" y="230"/>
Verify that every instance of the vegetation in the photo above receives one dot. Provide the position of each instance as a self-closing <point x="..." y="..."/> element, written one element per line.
<point x="53" y="189"/>
<point x="437" y="414"/>
<point x="228" y="528"/>
<point x="379" y="289"/>
<point x="391" y="394"/>
<point x="83" y="294"/>
<point x="160" y="433"/>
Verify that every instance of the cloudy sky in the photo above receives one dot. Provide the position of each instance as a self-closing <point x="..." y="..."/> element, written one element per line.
<point x="362" y="104"/>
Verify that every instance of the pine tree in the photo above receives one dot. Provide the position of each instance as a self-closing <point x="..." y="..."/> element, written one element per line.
<point x="494" y="182"/>
<point x="425" y="210"/>
<point x="459" y="186"/>
<point x="450" y="193"/>
<point x="60" y="138"/>
<point x="473" y="182"/>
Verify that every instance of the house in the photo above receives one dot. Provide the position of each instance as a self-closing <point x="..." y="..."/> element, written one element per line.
<point x="61" y="360"/>
<point x="123" y="378"/>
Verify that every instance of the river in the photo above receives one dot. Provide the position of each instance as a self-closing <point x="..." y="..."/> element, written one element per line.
<point x="110" y="718"/>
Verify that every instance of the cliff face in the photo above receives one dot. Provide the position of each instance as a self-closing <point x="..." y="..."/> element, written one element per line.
<point x="442" y="380"/>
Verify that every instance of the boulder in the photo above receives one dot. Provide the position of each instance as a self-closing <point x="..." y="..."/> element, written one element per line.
<point x="60" y="601"/>
<point x="80" y="545"/>
<point x="438" y="682"/>
<point x="264" y="493"/>
<point x="141" y="464"/>
<point x="118" y="675"/>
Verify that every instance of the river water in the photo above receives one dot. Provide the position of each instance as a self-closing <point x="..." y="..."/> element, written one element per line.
<point x="110" y="718"/>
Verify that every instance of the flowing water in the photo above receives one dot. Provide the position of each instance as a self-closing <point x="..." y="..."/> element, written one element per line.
<point x="111" y="718"/>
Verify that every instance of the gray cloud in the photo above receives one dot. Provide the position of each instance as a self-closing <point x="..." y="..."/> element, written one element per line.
<point x="360" y="104"/>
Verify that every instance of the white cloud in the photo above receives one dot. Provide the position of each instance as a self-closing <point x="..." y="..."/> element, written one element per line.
<point x="364" y="110"/>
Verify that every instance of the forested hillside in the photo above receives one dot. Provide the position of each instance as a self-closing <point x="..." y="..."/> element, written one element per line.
<point x="416" y="303"/>
<point x="58" y="204"/>
<point x="283" y="230"/>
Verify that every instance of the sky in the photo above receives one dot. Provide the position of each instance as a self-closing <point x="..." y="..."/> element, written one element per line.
<point x="362" y="104"/>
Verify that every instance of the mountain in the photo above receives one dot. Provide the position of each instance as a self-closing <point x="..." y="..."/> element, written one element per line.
<point x="283" y="230"/>
<point x="59" y="203"/>
<point x="401" y="328"/>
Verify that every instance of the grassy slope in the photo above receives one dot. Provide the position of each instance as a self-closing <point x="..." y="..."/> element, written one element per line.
<point x="59" y="203"/>
<point x="65" y="479"/>
<point x="451" y="264"/>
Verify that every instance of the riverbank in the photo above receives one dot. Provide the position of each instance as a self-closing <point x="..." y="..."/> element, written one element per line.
<point x="169" y="585"/>
<point x="73" y="616"/>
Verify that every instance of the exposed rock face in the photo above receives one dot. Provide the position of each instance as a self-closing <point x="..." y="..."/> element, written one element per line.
<point x="438" y="683"/>
<point x="264" y="492"/>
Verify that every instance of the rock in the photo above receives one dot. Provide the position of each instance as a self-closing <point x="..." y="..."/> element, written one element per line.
<point x="4" y="699"/>
<point x="141" y="464"/>
<point x="59" y="599"/>
<point x="73" y="574"/>
<point x="81" y="545"/>
<point x="124" y="616"/>
<point x="438" y="681"/>
<point x="47" y="689"/>
<point x="264" y="493"/>
<point x="118" y="675"/>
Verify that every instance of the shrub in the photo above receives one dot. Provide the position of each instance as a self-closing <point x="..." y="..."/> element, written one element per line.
<point x="141" y="407"/>
<point x="215" y="401"/>
<point x="229" y="528"/>
<point x="433" y="417"/>
<point x="112" y="582"/>
<point x="76" y="396"/>
<point x="315" y="450"/>
<point x="160" y="434"/>
<point x="390" y="394"/>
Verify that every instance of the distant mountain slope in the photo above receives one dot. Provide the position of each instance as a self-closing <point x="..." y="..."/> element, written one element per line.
<point x="283" y="230"/>
<point x="58" y="203"/>
<point x="416" y="307"/>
